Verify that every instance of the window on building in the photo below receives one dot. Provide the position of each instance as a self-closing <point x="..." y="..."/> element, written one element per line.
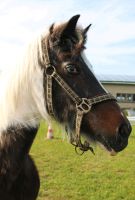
<point x="129" y="97"/>
<point x="125" y="97"/>
<point x="118" y="97"/>
<point x="134" y="97"/>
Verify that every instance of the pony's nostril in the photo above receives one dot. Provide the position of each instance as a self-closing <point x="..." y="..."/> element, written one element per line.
<point x="124" y="130"/>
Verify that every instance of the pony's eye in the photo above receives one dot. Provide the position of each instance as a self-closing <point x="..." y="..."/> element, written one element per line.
<point x="72" y="69"/>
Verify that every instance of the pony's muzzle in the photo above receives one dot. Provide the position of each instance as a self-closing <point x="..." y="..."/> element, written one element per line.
<point x="124" y="130"/>
<point x="122" y="136"/>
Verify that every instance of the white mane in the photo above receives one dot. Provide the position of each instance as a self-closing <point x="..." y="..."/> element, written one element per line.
<point x="21" y="91"/>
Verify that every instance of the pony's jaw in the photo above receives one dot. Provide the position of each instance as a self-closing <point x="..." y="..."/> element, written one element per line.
<point x="113" y="153"/>
<point x="110" y="151"/>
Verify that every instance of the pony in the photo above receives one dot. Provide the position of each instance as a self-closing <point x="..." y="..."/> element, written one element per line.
<point x="53" y="80"/>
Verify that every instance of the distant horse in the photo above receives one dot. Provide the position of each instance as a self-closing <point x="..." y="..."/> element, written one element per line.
<point x="53" y="80"/>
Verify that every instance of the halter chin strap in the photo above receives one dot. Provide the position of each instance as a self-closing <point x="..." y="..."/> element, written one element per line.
<point x="83" y="105"/>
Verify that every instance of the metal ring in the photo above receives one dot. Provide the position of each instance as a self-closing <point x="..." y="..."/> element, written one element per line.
<point x="50" y="70"/>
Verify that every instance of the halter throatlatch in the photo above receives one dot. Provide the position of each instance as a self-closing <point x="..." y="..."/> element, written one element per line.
<point x="83" y="105"/>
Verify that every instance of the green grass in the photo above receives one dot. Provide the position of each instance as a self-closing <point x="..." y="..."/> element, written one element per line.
<point x="66" y="176"/>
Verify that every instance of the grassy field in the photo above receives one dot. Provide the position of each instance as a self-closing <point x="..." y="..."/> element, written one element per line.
<point x="66" y="176"/>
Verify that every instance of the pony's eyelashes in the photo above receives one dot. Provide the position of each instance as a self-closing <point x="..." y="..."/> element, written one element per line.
<point x="72" y="69"/>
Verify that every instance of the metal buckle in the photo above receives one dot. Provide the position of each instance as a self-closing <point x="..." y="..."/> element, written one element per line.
<point x="84" y="106"/>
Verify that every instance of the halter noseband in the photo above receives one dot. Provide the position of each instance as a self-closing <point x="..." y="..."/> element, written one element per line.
<point x="83" y="105"/>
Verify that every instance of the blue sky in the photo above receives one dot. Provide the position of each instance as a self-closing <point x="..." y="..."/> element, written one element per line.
<point x="111" y="40"/>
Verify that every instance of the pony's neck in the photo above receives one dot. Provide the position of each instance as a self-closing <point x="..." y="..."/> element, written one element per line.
<point x="22" y="93"/>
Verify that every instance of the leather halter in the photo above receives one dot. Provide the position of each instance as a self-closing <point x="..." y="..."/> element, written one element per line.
<point x="83" y="105"/>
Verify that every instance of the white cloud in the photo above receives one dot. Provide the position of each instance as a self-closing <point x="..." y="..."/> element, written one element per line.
<point x="20" y="21"/>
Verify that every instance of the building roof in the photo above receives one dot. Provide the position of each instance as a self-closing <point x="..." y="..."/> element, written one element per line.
<point x="117" y="79"/>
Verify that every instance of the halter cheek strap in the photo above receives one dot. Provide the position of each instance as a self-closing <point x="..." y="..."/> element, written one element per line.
<point x="83" y="105"/>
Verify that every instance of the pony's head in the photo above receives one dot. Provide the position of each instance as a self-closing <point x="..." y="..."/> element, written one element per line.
<point x="76" y="98"/>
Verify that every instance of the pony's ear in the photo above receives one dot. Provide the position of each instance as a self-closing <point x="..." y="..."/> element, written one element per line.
<point x="86" y="29"/>
<point x="51" y="28"/>
<point x="70" y="27"/>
